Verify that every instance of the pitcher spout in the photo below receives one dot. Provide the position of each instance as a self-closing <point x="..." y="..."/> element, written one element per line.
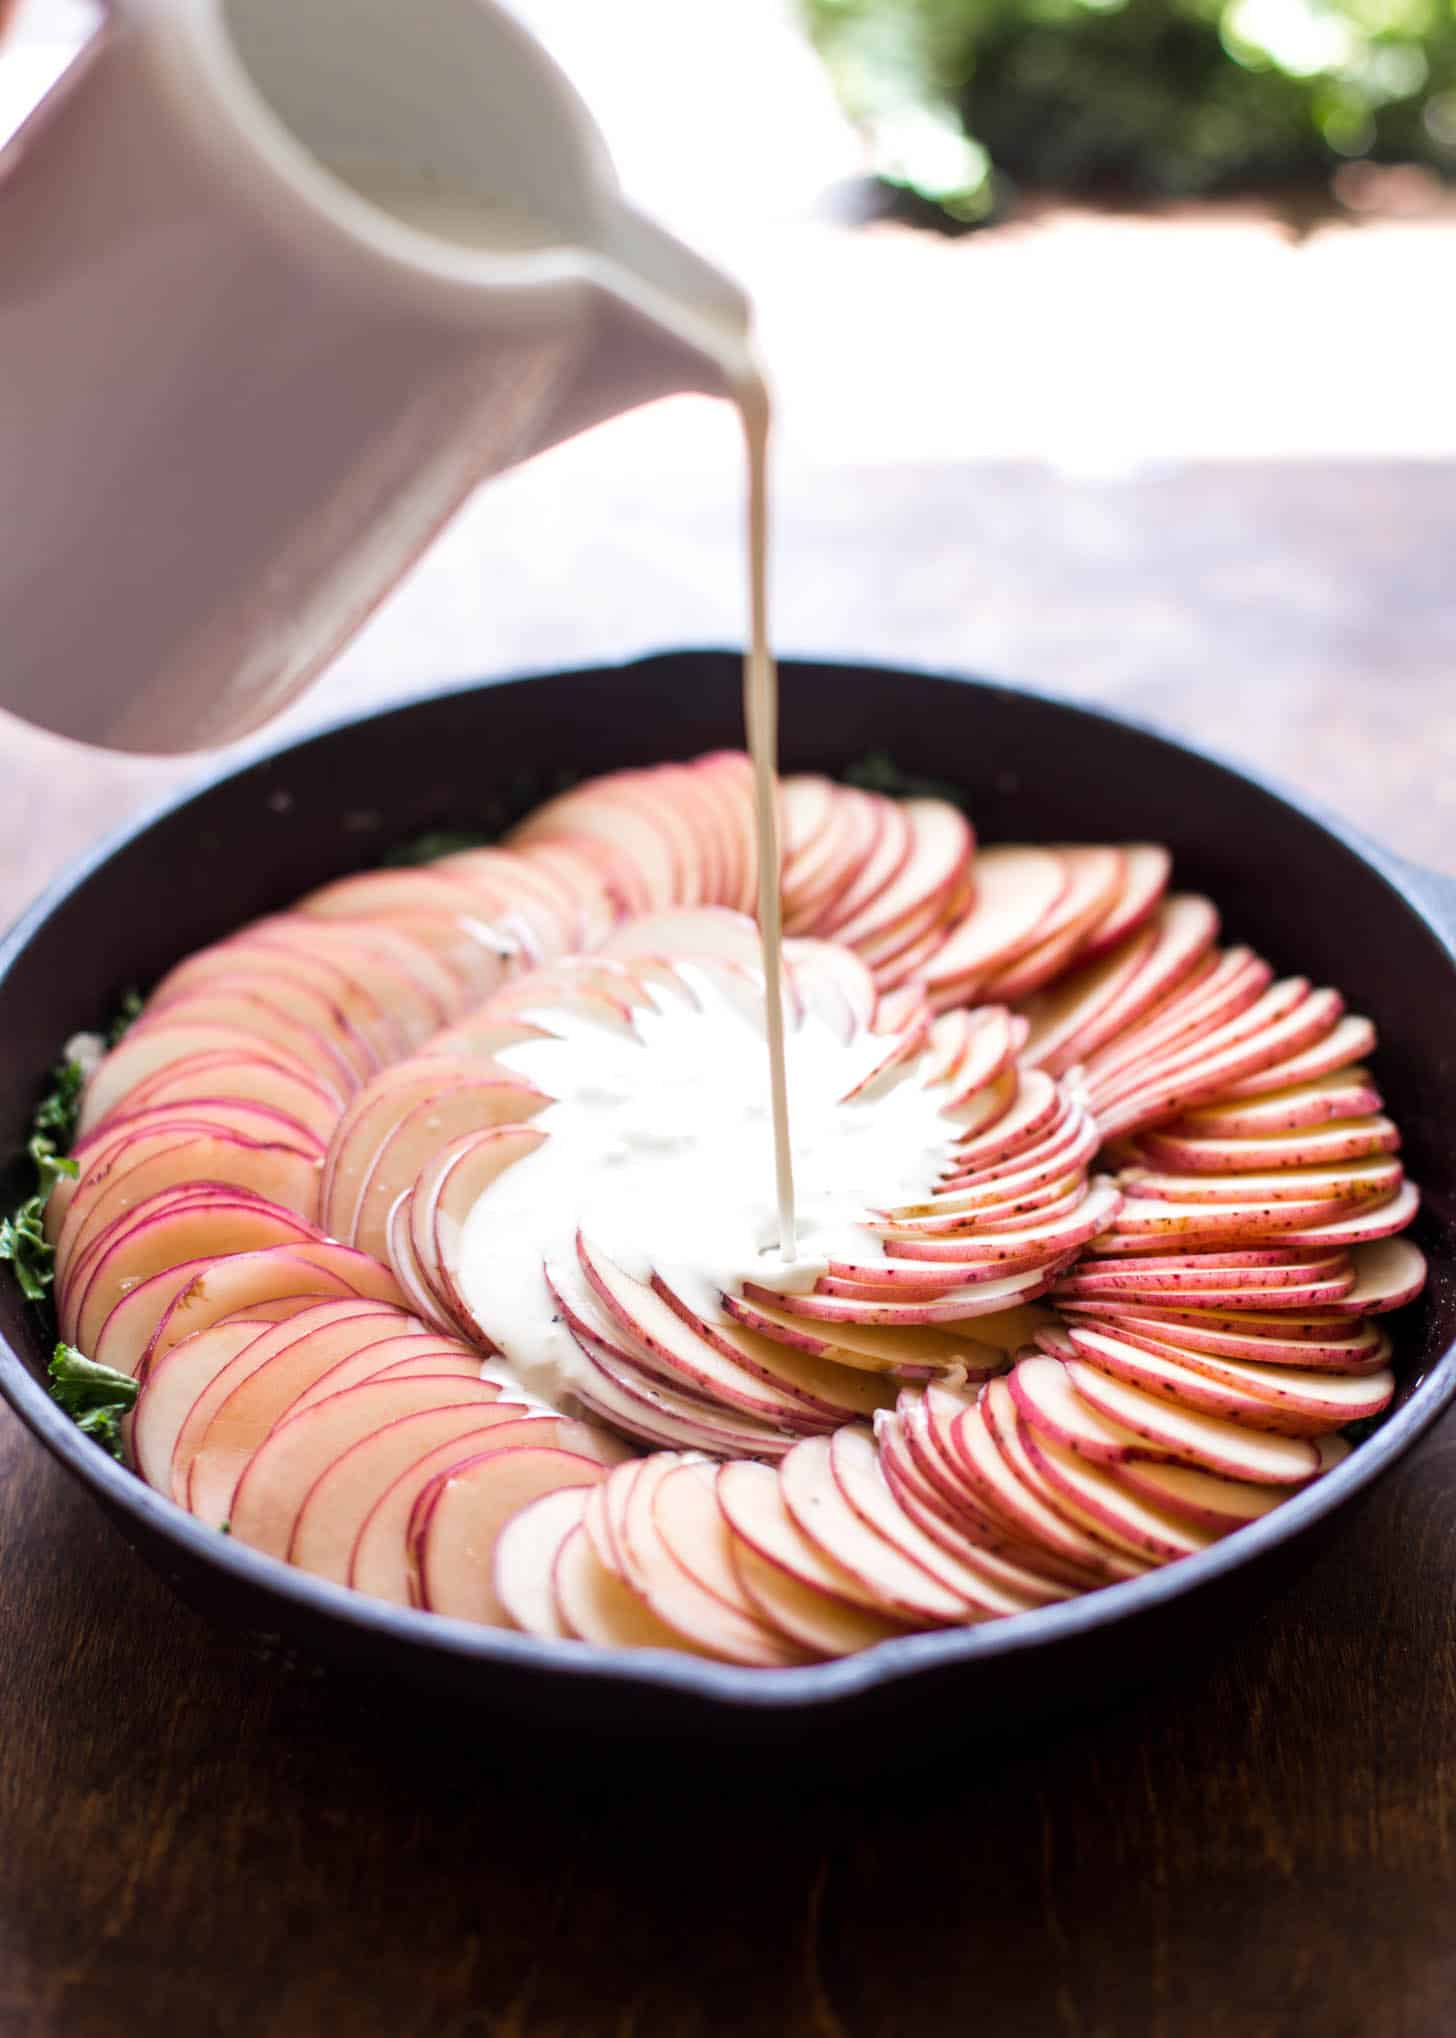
<point x="663" y="322"/>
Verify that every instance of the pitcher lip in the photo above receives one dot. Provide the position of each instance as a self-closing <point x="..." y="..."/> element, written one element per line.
<point x="234" y="122"/>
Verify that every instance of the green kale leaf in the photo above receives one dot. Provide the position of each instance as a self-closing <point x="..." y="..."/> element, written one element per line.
<point x="95" y="1397"/>
<point x="878" y="773"/>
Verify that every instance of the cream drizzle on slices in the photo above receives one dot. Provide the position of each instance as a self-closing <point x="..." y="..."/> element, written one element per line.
<point x="419" y="1213"/>
<point x="658" y="1153"/>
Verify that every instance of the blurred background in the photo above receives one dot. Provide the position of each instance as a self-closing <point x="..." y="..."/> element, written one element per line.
<point x="1113" y="343"/>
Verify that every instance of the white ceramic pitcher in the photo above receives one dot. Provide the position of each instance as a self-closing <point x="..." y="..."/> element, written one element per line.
<point x="237" y="398"/>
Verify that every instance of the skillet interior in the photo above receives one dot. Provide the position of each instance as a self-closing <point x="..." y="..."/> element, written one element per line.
<point x="1302" y="891"/>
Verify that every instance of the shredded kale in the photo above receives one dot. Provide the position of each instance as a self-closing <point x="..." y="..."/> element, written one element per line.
<point x="878" y="773"/>
<point x="95" y="1397"/>
<point x="435" y="843"/>
<point x="130" y="1008"/>
<point x="52" y="1130"/>
<point x="22" y="1235"/>
<point x="56" y="1114"/>
<point x="518" y="794"/>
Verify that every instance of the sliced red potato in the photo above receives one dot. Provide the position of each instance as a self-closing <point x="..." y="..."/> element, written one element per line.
<point x="422" y="1298"/>
<point x="199" y="1221"/>
<point x="1047" y="1402"/>
<point x="132" y="1324"/>
<point x="806" y="803"/>
<point x="157" y="1162"/>
<point x="1016" y="891"/>
<point x="983" y="1586"/>
<point x="1095" y="880"/>
<point x="971" y="1538"/>
<point x="1388" y="1274"/>
<point x="1044" y="1168"/>
<point x="449" y="1187"/>
<point x="1184" y="930"/>
<point x="293" y="1020"/>
<point x="173" y="1386"/>
<point x="814" y="885"/>
<point x="939" y="853"/>
<point x="380" y="1562"/>
<point x="344" y="1497"/>
<point x="1348" y="1042"/>
<point x="331" y="1330"/>
<point x="990" y="1042"/>
<point x="610" y="810"/>
<point x="1146" y="868"/>
<point x="686" y="931"/>
<point x="482" y="1035"/>
<point x="688" y="1359"/>
<point x="525" y="1560"/>
<point x="112" y="1148"/>
<point x="153" y="1050"/>
<point x="1299" y="1284"/>
<point x="875" y="873"/>
<point x="1293" y="1400"/>
<point x="688" y="1516"/>
<point x="1362" y="1226"/>
<point x="1066" y="1014"/>
<point x="1102" y="1496"/>
<point x="310" y="984"/>
<point x="842" y="1393"/>
<point x="899" y="1585"/>
<point x="993" y="1461"/>
<point x="1160" y="1223"/>
<point x="821" y="1626"/>
<point x="727" y="1628"/>
<point x="240" y="1076"/>
<point x="426" y="1131"/>
<point x="1327" y="1145"/>
<point x="753" y="1505"/>
<point x="598" y="868"/>
<point x="594" y="1605"/>
<point x="1374" y="1180"/>
<point x="370" y="1118"/>
<point x="464" y="1517"/>
<point x="923" y="1425"/>
<point x="626" y="1394"/>
<point x="912" y="1353"/>
<point x="1345" y="1093"/>
<point x="306" y="1369"/>
<point x="1218" y="989"/>
<point x="252" y="1280"/>
<point x="1285" y="1020"/>
<point x="910" y="963"/>
<point x="1283" y="1337"/>
<point x="1204" y="1500"/>
<point x="1050" y="1236"/>
<point x="959" y="1306"/>
<point x="398" y="974"/>
<point x="1034" y="1106"/>
<point x="1195" y="1439"/>
<point x="426" y="1356"/>
<point x="275" y="1485"/>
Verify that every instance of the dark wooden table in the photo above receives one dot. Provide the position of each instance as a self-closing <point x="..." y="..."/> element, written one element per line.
<point x="194" y="1838"/>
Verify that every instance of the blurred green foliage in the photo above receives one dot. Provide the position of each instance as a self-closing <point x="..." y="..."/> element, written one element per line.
<point x="1166" y="97"/>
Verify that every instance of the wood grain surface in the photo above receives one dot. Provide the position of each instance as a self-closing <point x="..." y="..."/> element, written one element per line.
<point x="196" y="1838"/>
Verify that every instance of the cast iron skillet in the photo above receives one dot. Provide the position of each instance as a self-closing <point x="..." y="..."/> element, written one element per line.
<point x="1304" y="890"/>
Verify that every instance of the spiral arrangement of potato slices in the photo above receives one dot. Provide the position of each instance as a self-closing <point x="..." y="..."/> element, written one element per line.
<point x="1135" y="1305"/>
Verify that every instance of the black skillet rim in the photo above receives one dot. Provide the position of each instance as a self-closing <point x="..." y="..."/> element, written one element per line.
<point x="820" y="1686"/>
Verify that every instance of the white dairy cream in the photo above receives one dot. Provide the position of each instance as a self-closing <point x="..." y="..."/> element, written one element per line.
<point x="660" y="1150"/>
